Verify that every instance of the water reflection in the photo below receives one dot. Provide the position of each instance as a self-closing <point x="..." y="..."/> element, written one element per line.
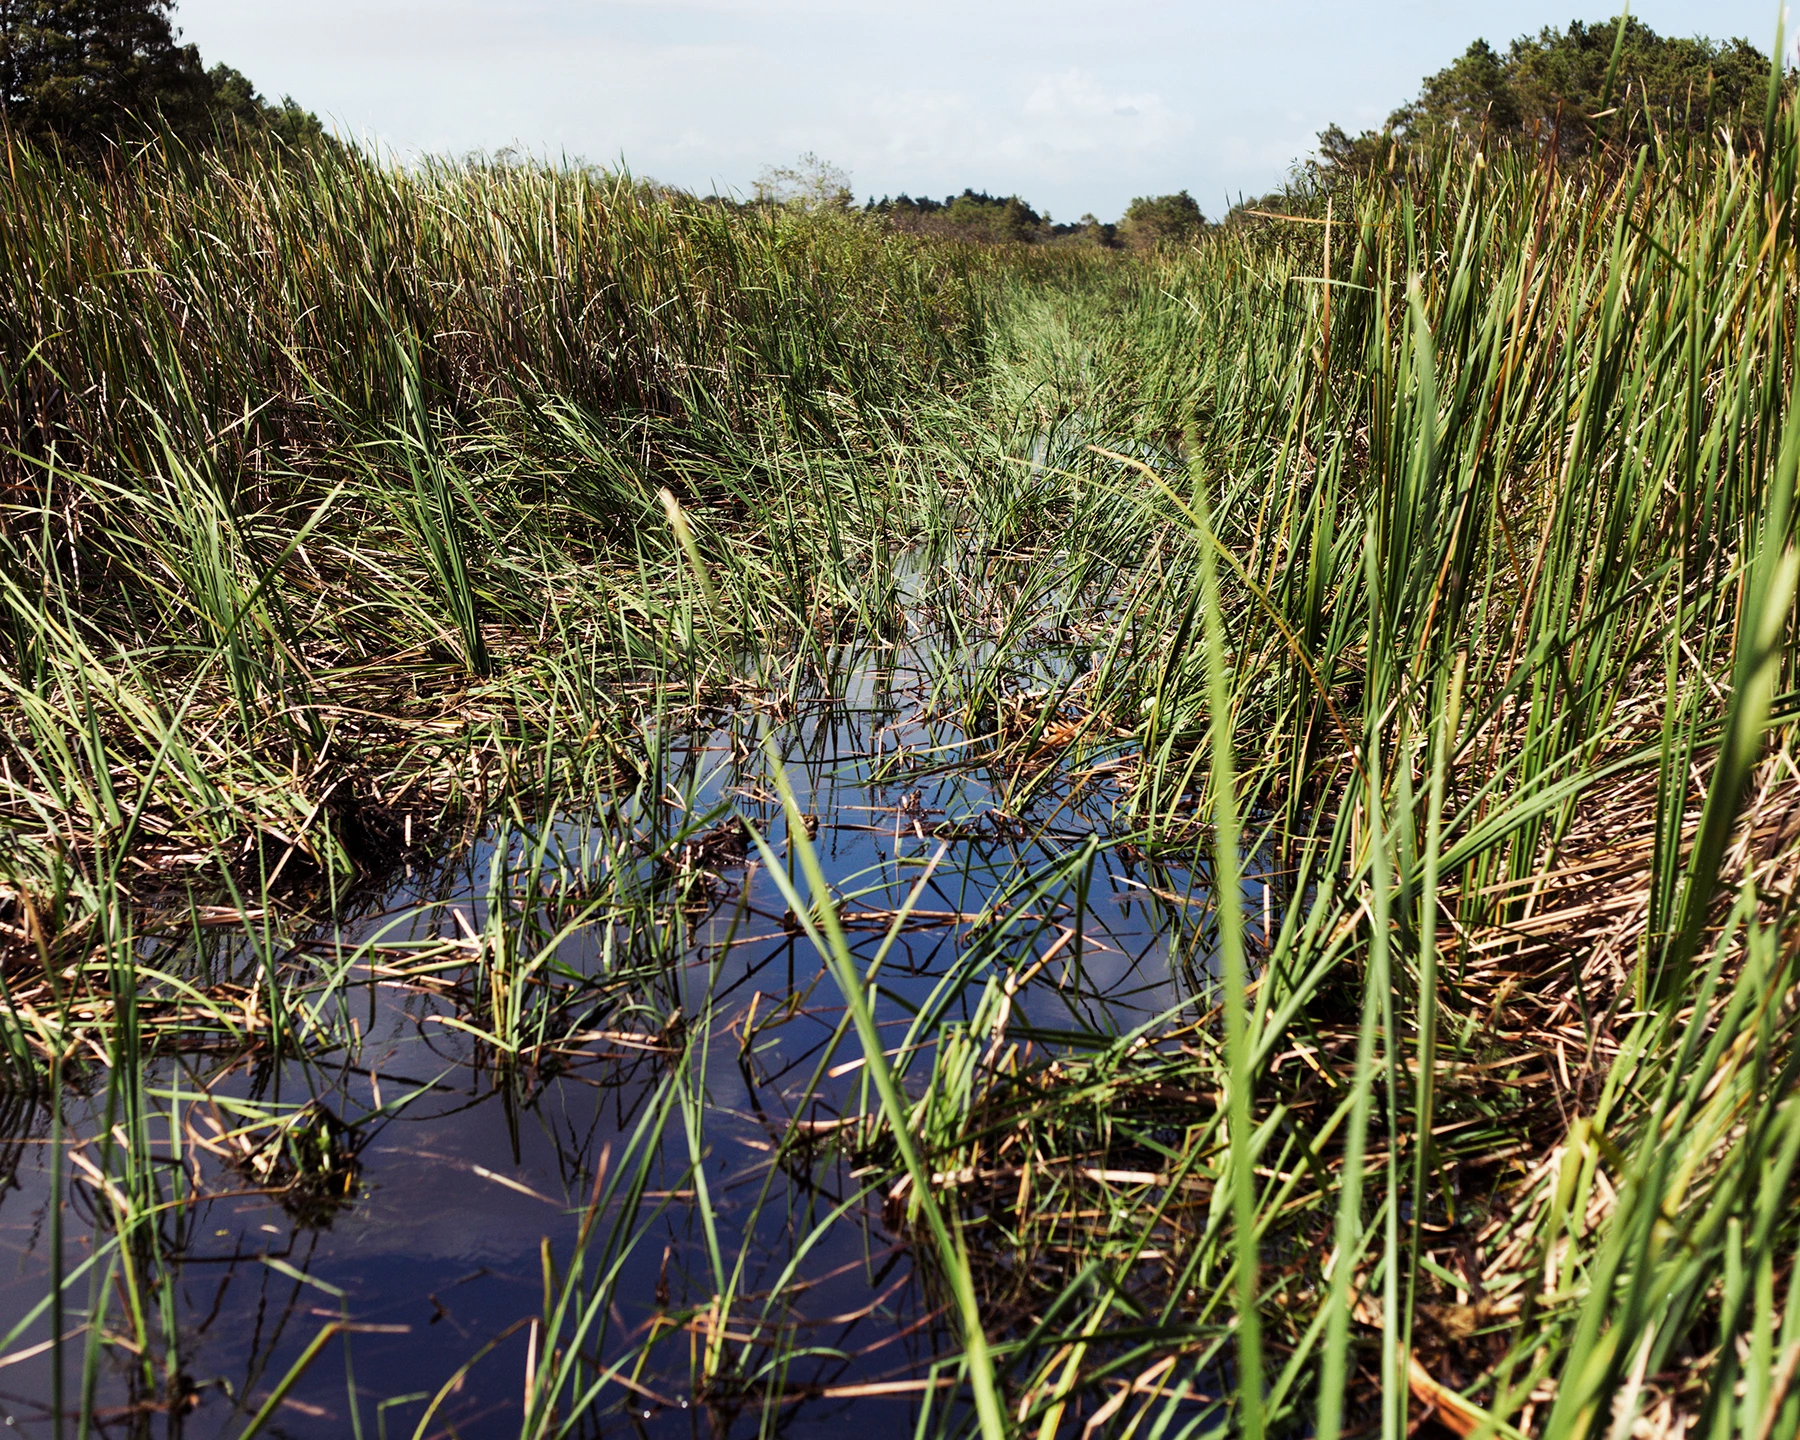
<point x="472" y="1060"/>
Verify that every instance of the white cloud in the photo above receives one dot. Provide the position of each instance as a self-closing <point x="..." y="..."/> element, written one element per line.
<point x="1072" y="105"/>
<point x="1033" y="140"/>
<point x="1074" y="110"/>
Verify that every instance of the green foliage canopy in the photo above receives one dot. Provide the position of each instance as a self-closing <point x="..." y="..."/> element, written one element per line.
<point x="1554" y="85"/>
<point x="1153" y="220"/>
<point x="972" y="215"/>
<point x="83" y="73"/>
<point x="1556" y="80"/>
<point x="235" y="98"/>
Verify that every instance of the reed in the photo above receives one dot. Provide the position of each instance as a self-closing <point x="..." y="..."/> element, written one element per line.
<point x="1418" y="571"/>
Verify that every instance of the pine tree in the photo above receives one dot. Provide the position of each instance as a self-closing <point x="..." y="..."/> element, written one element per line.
<point x="83" y="73"/>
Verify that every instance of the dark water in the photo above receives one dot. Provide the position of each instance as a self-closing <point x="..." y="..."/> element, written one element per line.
<point x="435" y="1220"/>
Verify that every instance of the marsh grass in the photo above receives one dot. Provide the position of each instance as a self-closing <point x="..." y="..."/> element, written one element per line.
<point x="1413" y="581"/>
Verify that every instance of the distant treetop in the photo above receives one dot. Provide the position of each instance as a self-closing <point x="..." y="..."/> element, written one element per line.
<point x="1153" y="220"/>
<point x="813" y="185"/>
<point x="972" y="215"/>
<point x="808" y="184"/>
<point x="977" y="216"/>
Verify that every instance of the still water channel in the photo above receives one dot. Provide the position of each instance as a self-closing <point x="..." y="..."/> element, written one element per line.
<point x="456" y="1178"/>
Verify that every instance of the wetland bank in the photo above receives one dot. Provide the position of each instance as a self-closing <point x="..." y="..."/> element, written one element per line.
<point x="628" y="814"/>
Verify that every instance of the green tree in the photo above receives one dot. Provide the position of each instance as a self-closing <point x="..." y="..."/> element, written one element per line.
<point x="1692" y="83"/>
<point x="1364" y="154"/>
<point x="234" y="98"/>
<point x="1554" y="82"/>
<point x="973" y="215"/>
<point x="78" y="70"/>
<point x="1091" y="230"/>
<point x="1474" y="92"/>
<point x="979" y="215"/>
<point x="1152" y="220"/>
<point x="81" y="73"/>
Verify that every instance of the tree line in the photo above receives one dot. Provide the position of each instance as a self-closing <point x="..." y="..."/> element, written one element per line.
<point x="817" y="185"/>
<point x="1574" y="89"/>
<point x="1149" y="221"/>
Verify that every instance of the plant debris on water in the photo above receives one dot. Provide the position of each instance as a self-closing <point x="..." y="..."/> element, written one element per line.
<point x="619" y="813"/>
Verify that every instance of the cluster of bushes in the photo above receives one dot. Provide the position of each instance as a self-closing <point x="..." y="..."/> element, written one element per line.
<point x="972" y="215"/>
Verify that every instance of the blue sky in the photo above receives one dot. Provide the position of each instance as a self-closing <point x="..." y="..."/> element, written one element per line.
<point x="1075" y="106"/>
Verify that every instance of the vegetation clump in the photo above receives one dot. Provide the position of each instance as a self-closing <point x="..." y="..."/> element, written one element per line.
<point x="972" y="215"/>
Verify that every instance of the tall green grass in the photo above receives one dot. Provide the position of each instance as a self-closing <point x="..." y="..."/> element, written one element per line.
<point x="1439" y="544"/>
<point x="1506" y="501"/>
